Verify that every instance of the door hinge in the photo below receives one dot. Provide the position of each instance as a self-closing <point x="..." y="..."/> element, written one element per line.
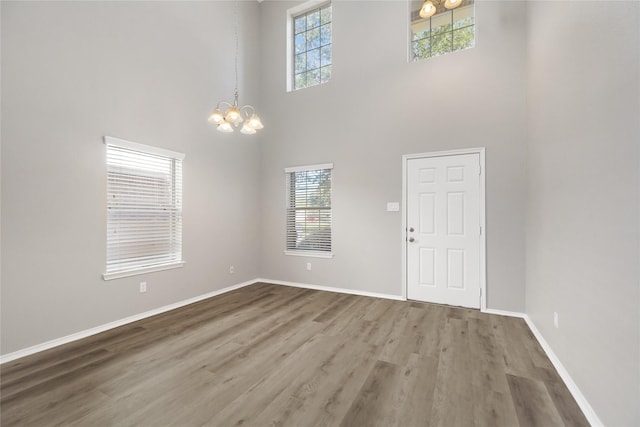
<point x="481" y="230"/>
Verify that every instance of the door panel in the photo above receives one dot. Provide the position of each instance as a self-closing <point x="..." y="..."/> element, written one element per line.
<point x="443" y="208"/>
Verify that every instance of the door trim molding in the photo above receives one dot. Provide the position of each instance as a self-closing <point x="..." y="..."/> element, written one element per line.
<point x="483" y="240"/>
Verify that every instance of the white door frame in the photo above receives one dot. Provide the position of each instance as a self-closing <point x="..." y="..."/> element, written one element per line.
<point x="483" y="227"/>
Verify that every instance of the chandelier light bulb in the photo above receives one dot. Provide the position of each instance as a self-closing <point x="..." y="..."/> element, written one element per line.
<point x="233" y="115"/>
<point x="255" y="122"/>
<point x="247" y="129"/>
<point x="225" y="127"/>
<point x="216" y="117"/>
<point x="428" y="9"/>
<point x="452" y="4"/>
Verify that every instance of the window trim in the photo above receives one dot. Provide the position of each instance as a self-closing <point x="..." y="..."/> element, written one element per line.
<point x="303" y="253"/>
<point x="143" y="270"/>
<point x="292" y="13"/>
<point x="147" y="149"/>
<point x="110" y="140"/>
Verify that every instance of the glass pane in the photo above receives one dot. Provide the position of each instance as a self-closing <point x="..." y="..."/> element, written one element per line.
<point x="313" y="77"/>
<point x="300" y="24"/>
<point x="421" y="49"/>
<point x="313" y="19"/>
<point x="325" y="15"/>
<point x="420" y="29"/>
<point x="313" y="59"/>
<point x="300" y="81"/>
<point x="325" y="74"/>
<point x="325" y="55"/>
<point x="441" y="23"/>
<point x="463" y="16"/>
<point x="441" y="44"/>
<point x="301" y="42"/>
<point x="420" y="35"/>
<point x="463" y="38"/>
<point x="301" y="63"/>
<point x="313" y="38"/>
<point x="325" y="35"/>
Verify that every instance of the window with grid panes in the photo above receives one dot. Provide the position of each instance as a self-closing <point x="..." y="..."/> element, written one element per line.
<point x="445" y="32"/>
<point x="312" y="47"/>
<point x="309" y="210"/>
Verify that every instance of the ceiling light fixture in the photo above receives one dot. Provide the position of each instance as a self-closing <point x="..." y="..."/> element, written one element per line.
<point x="233" y="114"/>
<point x="452" y="4"/>
<point x="430" y="7"/>
<point x="427" y="10"/>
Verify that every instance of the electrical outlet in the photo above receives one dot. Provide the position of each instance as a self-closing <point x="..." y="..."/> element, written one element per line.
<point x="555" y="319"/>
<point x="232" y="269"/>
<point x="308" y="266"/>
<point x="143" y="287"/>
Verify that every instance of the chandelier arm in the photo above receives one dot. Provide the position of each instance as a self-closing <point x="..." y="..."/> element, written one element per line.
<point x="244" y="109"/>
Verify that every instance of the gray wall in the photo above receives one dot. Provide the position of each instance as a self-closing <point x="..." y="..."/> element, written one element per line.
<point x="149" y="72"/>
<point x="584" y="187"/>
<point x="378" y="107"/>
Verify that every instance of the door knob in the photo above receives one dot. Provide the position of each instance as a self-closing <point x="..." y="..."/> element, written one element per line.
<point x="411" y="229"/>
<point x="411" y="239"/>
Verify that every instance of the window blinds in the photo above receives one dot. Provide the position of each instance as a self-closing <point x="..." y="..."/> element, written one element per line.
<point x="144" y="207"/>
<point x="309" y="208"/>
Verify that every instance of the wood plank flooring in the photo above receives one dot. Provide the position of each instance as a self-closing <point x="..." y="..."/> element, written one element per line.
<point x="269" y="355"/>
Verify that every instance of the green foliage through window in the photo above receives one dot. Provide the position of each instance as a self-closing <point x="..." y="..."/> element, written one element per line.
<point x="446" y="31"/>
<point x="312" y="47"/>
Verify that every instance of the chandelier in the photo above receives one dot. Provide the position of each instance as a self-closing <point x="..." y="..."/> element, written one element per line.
<point x="233" y="114"/>
<point x="429" y="7"/>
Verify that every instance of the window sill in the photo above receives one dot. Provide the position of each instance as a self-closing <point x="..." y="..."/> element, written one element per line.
<point x="310" y="254"/>
<point x="127" y="273"/>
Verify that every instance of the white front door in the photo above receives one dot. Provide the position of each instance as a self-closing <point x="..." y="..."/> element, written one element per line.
<point x="443" y="229"/>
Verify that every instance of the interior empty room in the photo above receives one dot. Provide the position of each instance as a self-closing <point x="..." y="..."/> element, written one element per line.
<point x="320" y="213"/>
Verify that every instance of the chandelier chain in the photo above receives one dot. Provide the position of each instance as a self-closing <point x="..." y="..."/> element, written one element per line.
<point x="236" y="62"/>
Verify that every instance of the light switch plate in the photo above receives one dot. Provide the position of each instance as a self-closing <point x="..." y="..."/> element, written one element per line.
<point x="393" y="206"/>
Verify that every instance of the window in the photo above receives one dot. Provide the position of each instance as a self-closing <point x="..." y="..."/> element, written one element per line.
<point x="446" y="31"/>
<point x="309" y="210"/>
<point x="309" y="46"/>
<point x="144" y="208"/>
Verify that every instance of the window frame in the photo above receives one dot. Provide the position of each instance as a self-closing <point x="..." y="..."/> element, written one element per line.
<point x="176" y="205"/>
<point x="302" y="252"/>
<point x="292" y="14"/>
<point x="450" y="33"/>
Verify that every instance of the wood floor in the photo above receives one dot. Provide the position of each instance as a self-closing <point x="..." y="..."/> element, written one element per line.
<point x="269" y="355"/>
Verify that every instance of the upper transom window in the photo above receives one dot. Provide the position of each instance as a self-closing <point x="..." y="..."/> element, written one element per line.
<point x="311" y="47"/>
<point x="447" y="30"/>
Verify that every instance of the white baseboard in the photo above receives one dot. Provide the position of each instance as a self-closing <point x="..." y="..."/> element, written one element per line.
<point x="582" y="402"/>
<point x="588" y="411"/>
<point x="332" y="289"/>
<point x="504" y="313"/>
<point x="92" y="331"/>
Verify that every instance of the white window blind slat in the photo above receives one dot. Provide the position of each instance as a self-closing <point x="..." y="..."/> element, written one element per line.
<point x="144" y="207"/>
<point x="309" y="208"/>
